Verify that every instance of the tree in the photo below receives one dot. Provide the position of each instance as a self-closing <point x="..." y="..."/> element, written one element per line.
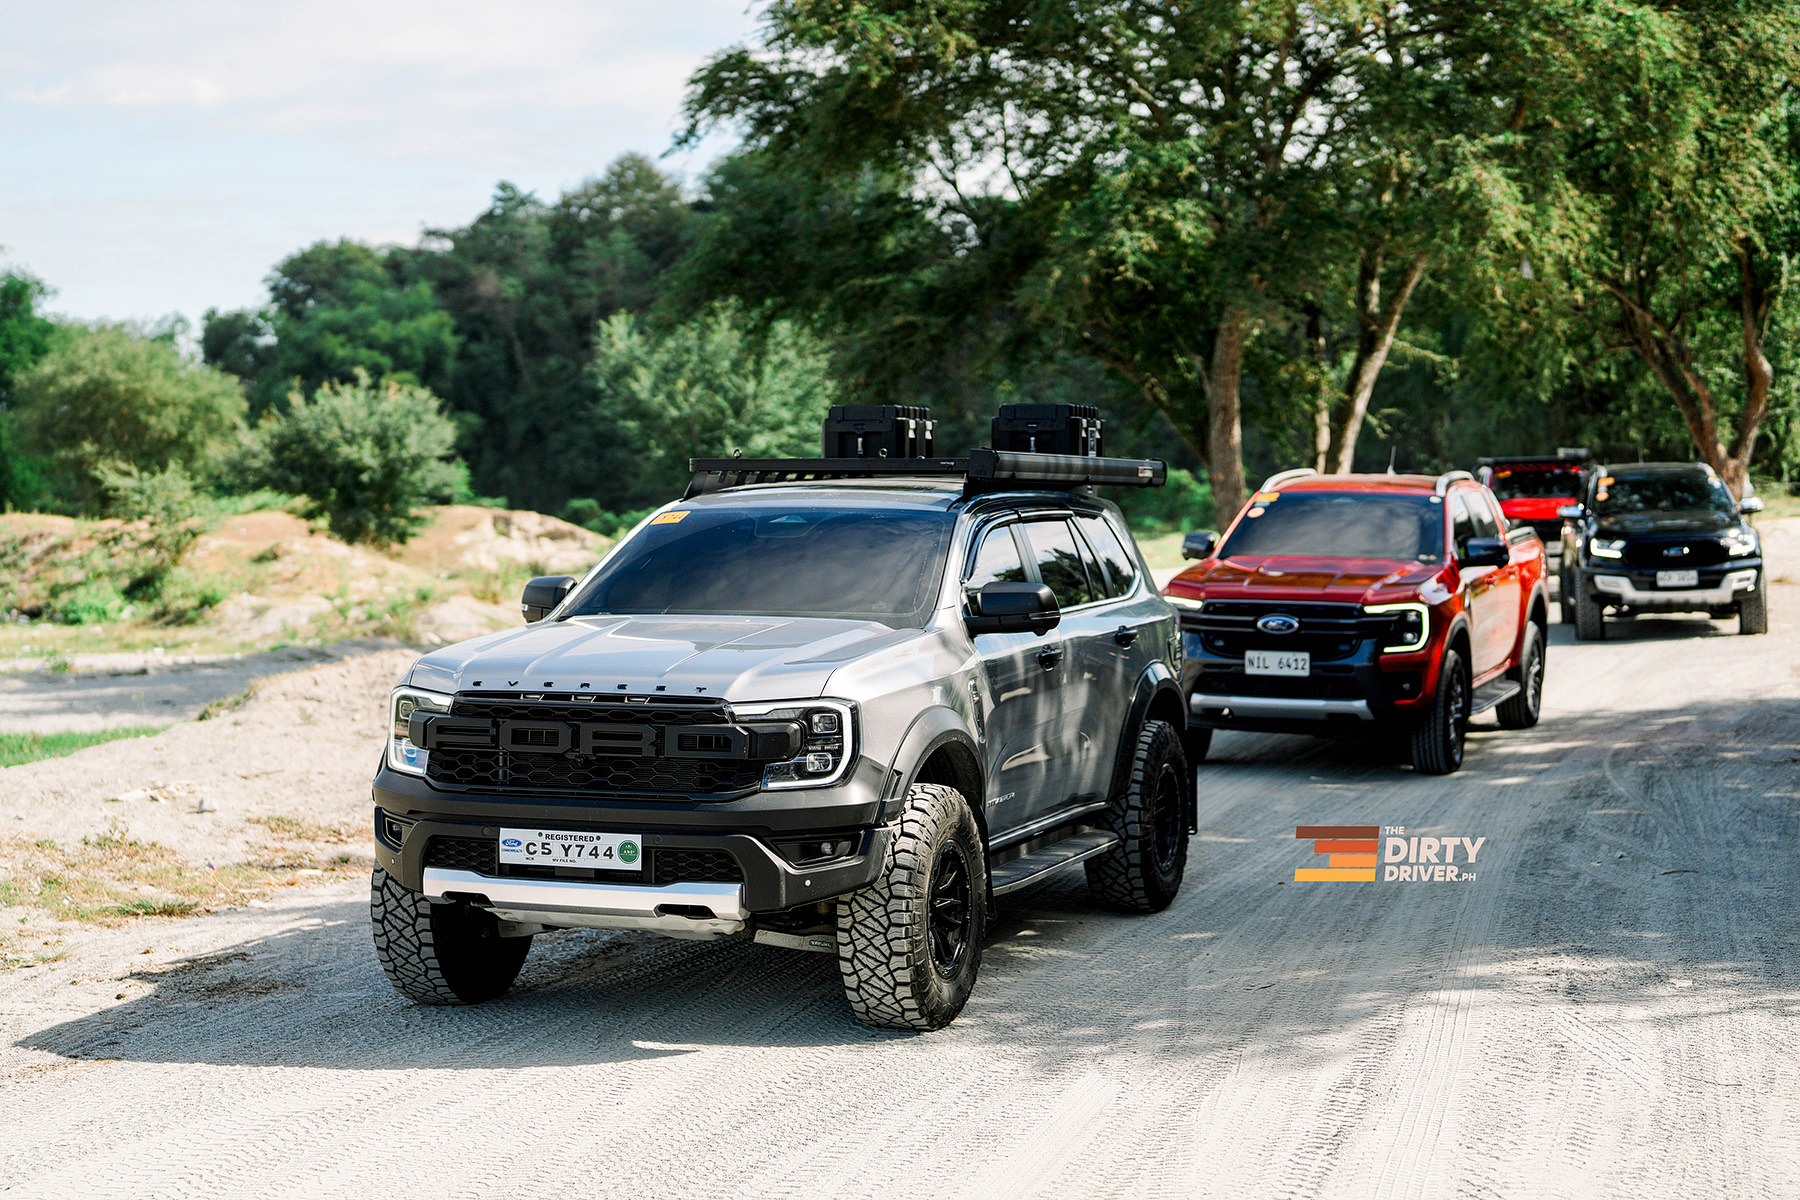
<point x="335" y="308"/>
<point x="366" y="456"/>
<point x="1693" y="205"/>
<point x="1166" y="182"/>
<point x="24" y="339"/>
<point x="105" y="395"/>
<point x="706" y="388"/>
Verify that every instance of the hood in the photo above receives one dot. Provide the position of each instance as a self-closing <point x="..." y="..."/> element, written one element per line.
<point x="1299" y="579"/>
<point x="741" y="659"/>
<point x="1535" y="508"/>
<point x="1681" y="520"/>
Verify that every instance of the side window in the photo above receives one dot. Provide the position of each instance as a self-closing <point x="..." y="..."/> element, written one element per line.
<point x="1059" y="562"/>
<point x="997" y="561"/>
<point x="1462" y="525"/>
<point x="1482" y="514"/>
<point x="1120" y="571"/>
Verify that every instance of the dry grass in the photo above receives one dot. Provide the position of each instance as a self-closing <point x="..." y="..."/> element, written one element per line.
<point x="47" y="887"/>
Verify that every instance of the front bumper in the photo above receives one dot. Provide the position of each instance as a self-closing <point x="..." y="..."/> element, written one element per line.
<point x="1345" y="695"/>
<point x="410" y="814"/>
<point x="684" y="910"/>
<point x="1638" y="590"/>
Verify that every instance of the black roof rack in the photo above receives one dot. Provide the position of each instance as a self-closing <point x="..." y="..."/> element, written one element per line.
<point x="982" y="472"/>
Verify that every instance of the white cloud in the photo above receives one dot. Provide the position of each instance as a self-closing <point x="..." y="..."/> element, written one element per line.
<point x="163" y="155"/>
<point x="400" y="78"/>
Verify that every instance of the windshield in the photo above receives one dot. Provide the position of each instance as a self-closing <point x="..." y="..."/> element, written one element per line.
<point x="1664" y="491"/>
<point x="777" y="561"/>
<point x="1341" y="525"/>
<point x="1527" y="483"/>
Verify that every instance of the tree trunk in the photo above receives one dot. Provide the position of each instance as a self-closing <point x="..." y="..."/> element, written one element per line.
<point x="1315" y="345"/>
<point x="1759" y="376"/>
<point x="1376" y="326"/>
<point x="1225" y="440"/>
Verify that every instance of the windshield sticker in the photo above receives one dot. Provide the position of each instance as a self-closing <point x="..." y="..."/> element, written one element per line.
<point x="1265" y="497"/>
<point x="669" y="518"/>
<point x="1257" y="512"/>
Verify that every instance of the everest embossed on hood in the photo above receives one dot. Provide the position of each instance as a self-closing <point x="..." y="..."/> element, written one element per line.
<point x="1341" y="579"/>
<point x="742" y="659"/>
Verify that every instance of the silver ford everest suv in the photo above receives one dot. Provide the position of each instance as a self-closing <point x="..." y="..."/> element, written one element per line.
<point x="834" y="704"/>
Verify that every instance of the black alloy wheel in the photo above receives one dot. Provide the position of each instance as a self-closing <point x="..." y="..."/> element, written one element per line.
<point x="1437" y="741"/>
<point x="952" y="913"/>
<point x="1168" y="819"/>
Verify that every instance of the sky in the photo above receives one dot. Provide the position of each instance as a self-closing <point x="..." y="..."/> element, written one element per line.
<point x="160" y="157"/>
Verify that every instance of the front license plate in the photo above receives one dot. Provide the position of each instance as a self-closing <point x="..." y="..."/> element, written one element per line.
<point x="560" y="848"/>
<point x="1678" y="579"/>
<point x="1277" y="662"/>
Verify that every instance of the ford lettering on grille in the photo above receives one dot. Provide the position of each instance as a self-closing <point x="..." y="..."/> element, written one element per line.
<point x="1278" y="623"/>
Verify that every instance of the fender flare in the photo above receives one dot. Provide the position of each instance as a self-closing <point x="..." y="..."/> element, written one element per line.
<point x="1156" y="679"/>
<point x="931" y="730"/>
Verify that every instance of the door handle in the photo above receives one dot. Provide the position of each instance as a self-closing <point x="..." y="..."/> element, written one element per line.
<point x="1049" y="657"/>
<point x="1125" y="635"/>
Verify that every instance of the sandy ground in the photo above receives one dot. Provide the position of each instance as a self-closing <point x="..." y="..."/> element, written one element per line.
<point x="1611" y="1008"/>
<point x="117" y="691"/>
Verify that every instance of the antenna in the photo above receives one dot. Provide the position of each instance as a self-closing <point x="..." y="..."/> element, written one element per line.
<point x="1391" y="452"/>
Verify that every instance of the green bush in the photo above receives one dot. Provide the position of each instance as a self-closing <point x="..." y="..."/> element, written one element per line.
<point x="366" y="456"/>
<point x="106" y="395"/>
<point x="1183" y="503"/>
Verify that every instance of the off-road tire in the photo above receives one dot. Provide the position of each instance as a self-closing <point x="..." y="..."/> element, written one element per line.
<point x="1522" y="710"/>
<point x="1565" y="596"/>
<point x="440" y="953"/>
<point x="1753" y="610"/>
<point x="1196" y="742"/>
<point x="894" y="976"/>
<point x="1143" y="872"/>
<point x="1590" y="618"/>
<point x="1437" y="742"/>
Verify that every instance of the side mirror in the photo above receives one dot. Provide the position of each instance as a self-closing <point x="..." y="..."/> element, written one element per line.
<point x="1569" y="512"/>
<point x="1013" y="608"/>
<point x="1199" y="545"/>
<point x="1485" y="552"/>
<point x="543" y="594"/>
<point x="1750" y="504"/>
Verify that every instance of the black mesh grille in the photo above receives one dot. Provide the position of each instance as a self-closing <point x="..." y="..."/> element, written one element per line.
<point x="663" y="867"/>
<point x="1697" y="552"/>
<point x="1310" y="687"/>
<point x="561" y="773"/>
<point x="1328" y="632"/>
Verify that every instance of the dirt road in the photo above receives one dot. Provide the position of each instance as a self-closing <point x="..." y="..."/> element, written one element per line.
<point x="1611" y="1008"/>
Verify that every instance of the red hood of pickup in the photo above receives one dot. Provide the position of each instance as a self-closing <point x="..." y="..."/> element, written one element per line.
<point x="1534" y="508"/>
<point x="1298" y="578"/>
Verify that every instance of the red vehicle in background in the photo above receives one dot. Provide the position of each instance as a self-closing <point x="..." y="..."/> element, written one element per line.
<point x="1356" y="605"/>
<point x="1531" y="490"/>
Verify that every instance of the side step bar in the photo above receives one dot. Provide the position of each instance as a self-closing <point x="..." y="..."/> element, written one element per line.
<point x="1010" y="877"/>
<point x="1497" y="692"/>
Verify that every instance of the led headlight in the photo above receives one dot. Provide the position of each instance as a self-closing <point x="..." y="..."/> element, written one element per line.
<point x="1606" y="547"/>
<point x="1738" y="543"/>
<point x="1185" y="602"/>
<point x="1411" y="628"/>
<point x="827" y="745"/>
<point x="402" y="755"/>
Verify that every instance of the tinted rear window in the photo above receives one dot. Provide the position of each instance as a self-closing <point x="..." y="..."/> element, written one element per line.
<point x="1341" y="525"/>
<point x="776" y="561"/>
<point x="1536" y="483"/>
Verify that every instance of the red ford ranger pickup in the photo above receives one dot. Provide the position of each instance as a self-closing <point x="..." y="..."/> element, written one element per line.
<point x="1385" y="606"/>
